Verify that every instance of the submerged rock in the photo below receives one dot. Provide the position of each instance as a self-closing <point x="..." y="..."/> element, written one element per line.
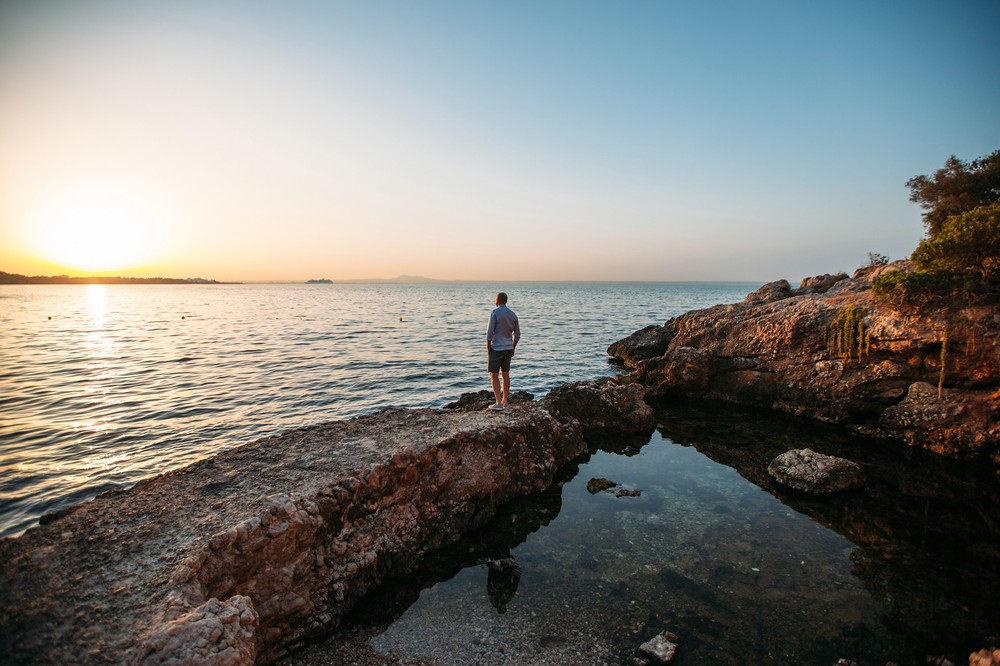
<point x="601" y="485"/>
<point x="830" y="351"/>
<point x="661" y="649"/>
<point x="598" y="485"/>
<point x="811" y="472"/>
<point x="242" y="557"/>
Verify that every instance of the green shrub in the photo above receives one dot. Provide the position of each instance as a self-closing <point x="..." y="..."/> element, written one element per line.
<point x="965" y="244"/>
<point x="912" y="289"/>
<point x="956" y="188"/>
<point x="959" y="259"/>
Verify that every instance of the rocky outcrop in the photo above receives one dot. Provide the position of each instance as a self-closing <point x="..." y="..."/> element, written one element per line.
<point x="990" y="657"/>
<point x="602" y="403"/>
<point x="830" y="351"/>
<point x="811" y="472"/>
<point x="243" y="556"/>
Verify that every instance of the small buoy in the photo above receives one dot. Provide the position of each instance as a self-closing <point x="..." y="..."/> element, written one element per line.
<point x="183" y="317"/>
<point x="400" y="319"/>
<point x="50" y="318"/>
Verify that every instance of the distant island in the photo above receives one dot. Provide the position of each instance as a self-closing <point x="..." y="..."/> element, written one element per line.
<point x="320" y="281"/>
<point x="14" y="278"/>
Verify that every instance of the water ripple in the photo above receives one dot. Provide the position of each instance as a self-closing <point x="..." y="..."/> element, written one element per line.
<point x="125" y="382"/>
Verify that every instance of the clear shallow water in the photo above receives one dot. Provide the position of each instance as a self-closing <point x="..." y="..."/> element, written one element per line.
<point x="103" y="385"/>
<point x="741" y="571"/>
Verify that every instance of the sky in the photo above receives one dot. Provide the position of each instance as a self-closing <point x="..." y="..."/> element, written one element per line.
<point x="540" y="140"/>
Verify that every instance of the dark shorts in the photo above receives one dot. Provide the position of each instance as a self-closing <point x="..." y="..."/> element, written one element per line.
<point x="500" y="360"/>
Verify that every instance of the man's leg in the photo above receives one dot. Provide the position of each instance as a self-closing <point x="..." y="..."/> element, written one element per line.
<point x="495" y="381"/>
<point x="506" y="387"/>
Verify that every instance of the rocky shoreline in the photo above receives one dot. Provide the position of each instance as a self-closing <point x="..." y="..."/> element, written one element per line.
<point x="240" y="558"/>
<point x="831" y="351"/>
<point x="243" y="557"/>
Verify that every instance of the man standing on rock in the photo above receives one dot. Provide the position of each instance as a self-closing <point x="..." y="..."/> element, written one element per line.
<point x="501" y="338"/>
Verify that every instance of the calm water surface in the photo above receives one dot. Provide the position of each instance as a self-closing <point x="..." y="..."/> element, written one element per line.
<point x="103" y="385"/>
<point x="742" y="572"/>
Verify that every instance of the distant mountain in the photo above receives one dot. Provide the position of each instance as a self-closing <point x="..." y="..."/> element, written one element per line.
<point x="14" y="278"/>
<point x="413" y="279"/>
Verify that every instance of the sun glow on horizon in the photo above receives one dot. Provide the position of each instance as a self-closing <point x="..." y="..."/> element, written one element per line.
<point x="94" y="230"/>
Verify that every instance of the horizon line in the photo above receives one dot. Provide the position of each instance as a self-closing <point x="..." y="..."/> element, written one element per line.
<point x="420" y="280"/>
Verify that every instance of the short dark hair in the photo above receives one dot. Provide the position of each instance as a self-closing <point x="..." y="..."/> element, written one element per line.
<point x="501" y="298"/>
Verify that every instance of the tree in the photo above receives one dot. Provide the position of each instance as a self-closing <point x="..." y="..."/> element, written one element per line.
<point x="956" y="188"/>
<point x="965" y="245"/>
<point x="960" y="255"/>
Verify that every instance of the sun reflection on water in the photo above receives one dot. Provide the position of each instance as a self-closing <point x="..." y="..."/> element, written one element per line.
<point x="99" y="388"/>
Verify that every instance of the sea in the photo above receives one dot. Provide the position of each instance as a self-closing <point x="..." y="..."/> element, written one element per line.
<point x="104" y="385"/>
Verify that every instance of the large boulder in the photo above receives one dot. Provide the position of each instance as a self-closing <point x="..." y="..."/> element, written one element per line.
<point x="811" y="472"/>
<point x="820" y="283"/>
<point x="772" y="291"/>
<point x="649" y="342"/>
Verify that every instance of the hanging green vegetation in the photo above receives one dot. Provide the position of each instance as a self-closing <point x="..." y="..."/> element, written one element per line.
<point x="847" y="336"/>
<point x="944" y="361"/>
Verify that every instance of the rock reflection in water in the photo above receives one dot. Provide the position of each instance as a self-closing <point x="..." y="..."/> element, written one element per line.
<point x="490" y="545"/>
<point x="501" y="582"/>
<point x="927" y="527"/>
<point x="904" y="568"/>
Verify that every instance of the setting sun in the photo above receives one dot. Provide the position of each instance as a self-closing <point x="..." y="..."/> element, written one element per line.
<point x="93" y="230"/>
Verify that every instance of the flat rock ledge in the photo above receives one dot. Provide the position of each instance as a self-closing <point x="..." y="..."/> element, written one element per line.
<point x="240" y="558"/>
<point x="816" y="473"/>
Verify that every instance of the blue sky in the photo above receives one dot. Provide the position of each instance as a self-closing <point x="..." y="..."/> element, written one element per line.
<point x="503" y="141"/>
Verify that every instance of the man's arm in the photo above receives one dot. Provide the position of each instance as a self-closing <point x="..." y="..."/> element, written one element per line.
<point x="491" y="331"/>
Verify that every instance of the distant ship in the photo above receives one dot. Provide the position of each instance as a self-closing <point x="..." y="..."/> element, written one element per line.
<point x="323" y="281"/>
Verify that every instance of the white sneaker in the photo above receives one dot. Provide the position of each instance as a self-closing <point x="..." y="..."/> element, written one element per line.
<point x="497" y="407"/>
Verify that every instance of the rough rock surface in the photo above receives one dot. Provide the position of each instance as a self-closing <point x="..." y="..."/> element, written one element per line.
<point x="483" y="399"/>
<point x="602" y="485"/>
<point x="599" y="485"/>
<point x="811" y="472"/>
<point x="774" y="350"/>
<point x="661" y="649"/>
<point x="985" y="658"/>
<point x="241" y="557"/>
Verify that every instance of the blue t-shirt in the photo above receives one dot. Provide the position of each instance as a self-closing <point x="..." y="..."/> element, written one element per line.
<point x="503" y="330"/>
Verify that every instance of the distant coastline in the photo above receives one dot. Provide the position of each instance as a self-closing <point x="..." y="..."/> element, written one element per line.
<point x="14" y="278"/>
<point x="419" y="279"/>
